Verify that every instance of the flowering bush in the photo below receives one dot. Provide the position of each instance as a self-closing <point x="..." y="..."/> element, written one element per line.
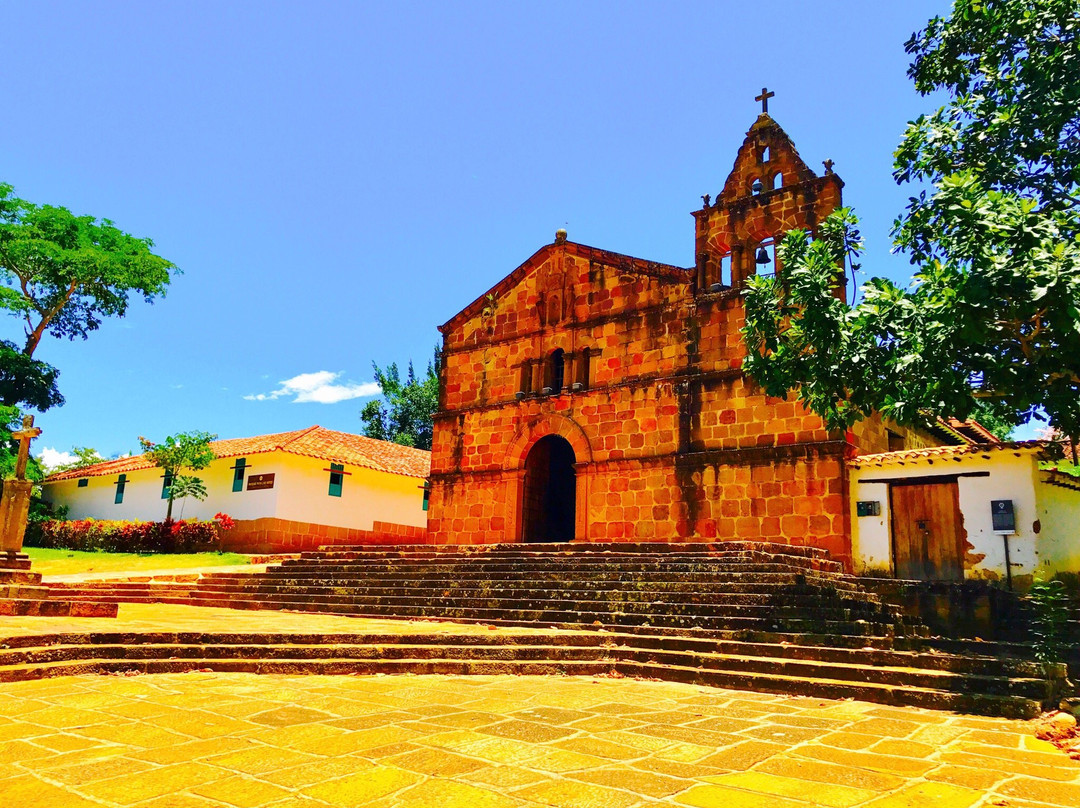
<point x="224" y="521"/>
<point x="183" y="536"/>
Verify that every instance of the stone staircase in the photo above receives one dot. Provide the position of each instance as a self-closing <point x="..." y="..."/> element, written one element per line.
<point x="734" y="614"/>
<point x="23" y="594"/>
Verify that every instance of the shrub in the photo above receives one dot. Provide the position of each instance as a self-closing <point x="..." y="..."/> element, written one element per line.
<point x="183" y="536"/>
<point x="1051" y="609"/>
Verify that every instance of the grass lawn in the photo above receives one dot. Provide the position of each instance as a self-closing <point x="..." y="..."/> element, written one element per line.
<point x="70" y="562"/>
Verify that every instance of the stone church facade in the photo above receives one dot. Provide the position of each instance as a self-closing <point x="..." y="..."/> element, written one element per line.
<point x="592" y="396"/>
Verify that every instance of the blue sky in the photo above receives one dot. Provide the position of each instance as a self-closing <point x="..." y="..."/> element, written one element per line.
<point x="337" y="179"/>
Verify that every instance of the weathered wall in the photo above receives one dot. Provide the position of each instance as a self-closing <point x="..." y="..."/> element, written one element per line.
<point x="1010" y="476"/>
<point x="1059" y="517"/>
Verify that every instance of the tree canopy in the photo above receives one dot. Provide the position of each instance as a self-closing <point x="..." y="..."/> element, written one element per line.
<point x="183" y="451"/>
<point x="84" y="456"/>
<point x="65" y="273"/>
<point x="405" y="413"/>
<point x="991" y="320"/>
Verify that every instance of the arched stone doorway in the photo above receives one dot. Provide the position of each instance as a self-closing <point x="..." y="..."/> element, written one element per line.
<point x="549" y="501"/>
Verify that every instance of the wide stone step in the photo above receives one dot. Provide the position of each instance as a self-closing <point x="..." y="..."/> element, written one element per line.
<point x="794" y="594"/>
<point x="46" y="647"/>
<point x="773" y="681"/>
<point x="553" y="566"/>
<point x="860" y="628"/>
<point x="848" y="671"/>
<point x="787" y="608"/>
<point x="404" y="577"/>
<point x="17" y="607"/>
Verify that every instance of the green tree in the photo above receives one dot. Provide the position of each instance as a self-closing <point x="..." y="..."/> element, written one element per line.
<point x="84" y="457"/>
<point x="405" y="413"/>
<point x="65" y="273"/>
<point x="184" y="451"/>
<point x="25" y="380"/>
<point x="991" y="321"/>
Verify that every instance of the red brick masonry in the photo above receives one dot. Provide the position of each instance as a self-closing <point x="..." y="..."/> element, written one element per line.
<point x="272" y="535"/>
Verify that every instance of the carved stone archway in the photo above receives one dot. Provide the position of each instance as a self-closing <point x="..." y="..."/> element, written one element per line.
<point x="527" y="436"/>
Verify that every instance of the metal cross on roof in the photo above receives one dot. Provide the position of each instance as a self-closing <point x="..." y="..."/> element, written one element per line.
<point x="764" y="98"/>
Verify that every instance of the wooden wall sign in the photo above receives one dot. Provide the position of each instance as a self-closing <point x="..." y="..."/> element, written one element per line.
<point x="259" y="482"/>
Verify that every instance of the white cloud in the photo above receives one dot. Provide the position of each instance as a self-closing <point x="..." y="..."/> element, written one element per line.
<point x="321" y="387"/>
<point x="51" y="458"/>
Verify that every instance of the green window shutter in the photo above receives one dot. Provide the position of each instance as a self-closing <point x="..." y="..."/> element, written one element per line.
<point x="336" y="479"/>
<point x="166" y="485"/>
<point x="238" y="474"/>
<point x="427" y="496"/>
<point x="121" y="483"/>
<point x="83" y="482"/>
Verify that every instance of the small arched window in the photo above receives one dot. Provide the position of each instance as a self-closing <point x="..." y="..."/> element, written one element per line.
<point x="778" y="181"/>
<point x="756" y="186"/>
<point x="557" y="367"/>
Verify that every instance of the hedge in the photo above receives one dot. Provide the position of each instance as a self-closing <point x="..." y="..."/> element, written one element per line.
<point x="183" y="536"/>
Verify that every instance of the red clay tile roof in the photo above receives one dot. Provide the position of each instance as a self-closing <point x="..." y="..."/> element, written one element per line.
<point x="315" y="441"/>
<point x="947" y="452"/>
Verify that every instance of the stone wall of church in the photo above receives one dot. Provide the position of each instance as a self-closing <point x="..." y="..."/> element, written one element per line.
<point x="672" y="442"/>
<point x="638" y="366"/>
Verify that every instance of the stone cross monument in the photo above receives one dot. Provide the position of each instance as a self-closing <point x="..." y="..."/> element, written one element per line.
<point x="15" y="497"/>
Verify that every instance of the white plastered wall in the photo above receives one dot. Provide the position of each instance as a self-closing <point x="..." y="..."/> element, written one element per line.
<point x="367" y="496"/>
<point x="142" y="494"/>
<point x="1007" y="475"/>
<point x="1059" y="540"/>
<point x="300" y="494"/>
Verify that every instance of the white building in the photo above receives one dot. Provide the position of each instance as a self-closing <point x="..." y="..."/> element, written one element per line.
<point x="287" y="492"/>
<point x="981" y="511"/>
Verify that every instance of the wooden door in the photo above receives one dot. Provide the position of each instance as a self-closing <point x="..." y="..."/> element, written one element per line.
<point x="927" y="531"/>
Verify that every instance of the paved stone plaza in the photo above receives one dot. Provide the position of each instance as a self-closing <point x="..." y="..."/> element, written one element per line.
<point x="207" y="739"/>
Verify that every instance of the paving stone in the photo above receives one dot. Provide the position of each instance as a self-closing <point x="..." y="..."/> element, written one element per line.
<point x="849" y="740"/>
<point x="982" y="779"/>
<point x="416" y="759"/>
<point x="89" y="772"/>
<point x="359" y="789"/>
<point x="436" y="762"/>
<point x="503" y="776"/>
<point x="1039" y="790"/>
<point x="900" y="748"/>
<point x="599" y="748"/>
<point x="866" y="760"/>
<point x="157" y="782"/>
<point x="743" y="755"/>
<point x="530" y="731"/>
<point x="920" y="795"/>
<point x="259" y="759"/>
<point x="760" y="782"/>
<point x="714" y="796"/>
<point x="648" y="784"/>
<point x="566" y="794"/>
<point x="242" y="792"/>
<point x="448" y="794"/>
<point x="30" y="792"/>
<point x="318" y="771"/>
<point x="818" y="772"/>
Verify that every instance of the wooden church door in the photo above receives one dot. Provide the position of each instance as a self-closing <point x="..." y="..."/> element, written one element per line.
<point x="927" y="530"/>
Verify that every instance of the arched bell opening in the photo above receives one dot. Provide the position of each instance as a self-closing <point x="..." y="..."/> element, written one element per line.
<point x="549" y="501"/>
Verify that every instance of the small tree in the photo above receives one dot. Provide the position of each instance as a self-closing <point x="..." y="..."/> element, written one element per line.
<point x="186" y="450"/>
<point x="84" y="457"/>
<point x="405" y="415"/>
<point x="991" y="320"/>
<point x="186" y="485"/>
<point x="65" y="273"/>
